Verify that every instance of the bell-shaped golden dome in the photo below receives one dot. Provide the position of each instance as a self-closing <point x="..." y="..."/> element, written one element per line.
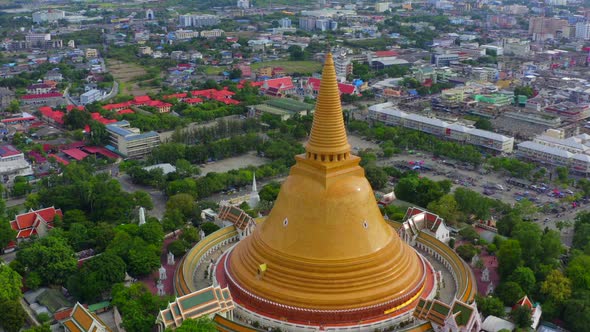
<point x="324" y="254"/>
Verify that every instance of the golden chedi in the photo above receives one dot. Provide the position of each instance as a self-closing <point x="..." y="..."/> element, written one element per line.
<point x="324" y="254"/>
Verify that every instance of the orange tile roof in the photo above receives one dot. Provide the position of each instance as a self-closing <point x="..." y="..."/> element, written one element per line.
<point x="71" y="326"/>
<point x="82" y="317"/>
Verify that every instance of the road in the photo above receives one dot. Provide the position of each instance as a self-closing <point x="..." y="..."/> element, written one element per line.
<point x="158" y="197"/>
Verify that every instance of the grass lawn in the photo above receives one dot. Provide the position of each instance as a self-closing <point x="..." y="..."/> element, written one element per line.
<point x="291" y="66"/>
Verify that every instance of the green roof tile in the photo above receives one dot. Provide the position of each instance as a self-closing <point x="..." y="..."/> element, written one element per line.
<point x="196" y="300"/>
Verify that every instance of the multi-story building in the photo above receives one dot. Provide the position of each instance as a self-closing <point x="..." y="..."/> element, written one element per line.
<point x="6" y="97"/>
<point x="444" y="60"/>
<point x="244" y="4"/>
<point x="514" y="46"/>
<point x="198" y="20"/>
<point x="542" y="28"/>
<point x="212" y="33"/>
<point x="12" y="164"/>
<point x="90" y="96"/>
<point x="149" y="14"/>
<point x="145" y="50"/>
<point x="39" y="88"/>
<point x="572" y="152"/>
<point x="568" y="111"/>
<point x="185" y="34"/>
<point x="380" y="7"/>
<point x="390" y="115"/>
<point x="285" y="22"/>
<point x="583" y="30"/>
<point x="130" y="141"/>
<point x="91" y="53"/>
<point x="343" y="66"/>
<point x="307" y="23"/>
<point x="51" y="15"/>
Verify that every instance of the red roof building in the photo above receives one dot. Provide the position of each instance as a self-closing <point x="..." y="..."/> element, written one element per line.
<point x="72" y="107"/>
<point x="313" y="85"/>
<point x="224" y="96"/>
<point x="59" y="159"/>
<point x="51" y="115"/>
<point x="118" y="106"/>
<point x="278" y="87"/>
<point x="179" y="96"/>
<point x="125" y="111"/>
<point x="141" y="100"/>
<point x="75" y="154"/>
<point x="34" y="222"/>
<point x="160" y="105"/>
<point x="385" y="54"/>
<point x="42" y="96"/>
<point x="193" y="101"/>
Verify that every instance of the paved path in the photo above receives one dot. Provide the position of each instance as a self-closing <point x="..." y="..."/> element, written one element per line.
<point x="199" y="279"/>
<point x="447" y="290"/>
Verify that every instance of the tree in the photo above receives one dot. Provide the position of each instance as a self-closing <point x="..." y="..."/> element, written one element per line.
<point x="557" y="287"/>
<point x="178" y="248"/>
<point x="577" y="311"/>
<point x="376" y="175"/>
<point x="551" y="247"/>
<point x="578" y="271"/>
<point x="509" y="292"/>
<point x="484" y="124"/>
<point x="11" y="283"/>
<point x="7" y="234"/>
<point x="235" y="74"/>
<point x="509" y="257"/>
<point x="270" y="191"/>
<point x="152" y="232"/>
<point x="296" y="53"/>
<point x="490" y="305"/>
<point x="98" y="133"/>
<point x="12" y="315"/>
<point x="142" y="261"/>
<point x="51" y="257"/>
<point x="184" y="203"/>
<point x="41" y="328"/>
<point x="466" y="251"/>
<point x="137" y="306"/>
<point x="97" y="275"/>
<point x="525" y="277"/>
<point x="76" y="119"/>
<point x="209" y="228"/>
<point x="521" y="316"/>
<point x="584" y="184"/>
<point x="529" y="236"/>
<point x="446" y="208"/>
<point x="562" y="174"/>
<point x="524" y="91"/>
<point x="13" y="107"/>
<point x="202" y="324"/>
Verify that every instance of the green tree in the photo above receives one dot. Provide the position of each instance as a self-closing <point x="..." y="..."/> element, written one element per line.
<point x="184" y="203"/>
<point x="521" y="316"/>
<point x="562" y="174"/>
<point x="7" y="234"/>
<point x="578" y="271"/>
<point x="51" y="257"/>
<point x="524" y="91"/>
<point x="137" y="306"/>
<point x="12" y="315"/>
<point x="97" y="275"/>
<point x="202" y="324"/>
<point x="98" y="133"/>
<point x="11" y="283"/>
<point x="557" y="287"/>
<point x="525" y="277"/>
<point x="484" y="124"/>
<point x="490" y="305"/>
<point x="577" y="311"/>
<point x="466" y="251"/>
<point x="178" y="248"/>
<point x="447" y="208"/>
<point x="529" y="236"/>
<point x="296" y="53"/>
<point x="376" y="175"/>
<point x="76" y="119"/>
<point x="509" y="257"/>
<point x="551" y="247"/>
<point x="209" y="228"/>
<point x="270" y="191"/>
<point x="509" y="292"/>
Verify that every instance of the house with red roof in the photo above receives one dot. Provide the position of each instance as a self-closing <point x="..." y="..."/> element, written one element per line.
<point x="125" y="111"/>
<point x="161" y="106"/>
<point x="417" y="220"/>
<point x="37" y="222"/>
<point x="52" y="116"/>
<point x="313" y="87"/>
<point x="179" y="96"/>
<point x="385" y="54"/>
<point x="141" y="100"/>
<point x="536" y="310"/>
<point x="118" y="106"/>
<point x="224" y="96"/>
<point x="278" y="87"/>
<point x="51" y="99"/>
<point x="193" y="101"/>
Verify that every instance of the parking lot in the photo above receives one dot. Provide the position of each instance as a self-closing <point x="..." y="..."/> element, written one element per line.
<point x="549" y="200"/>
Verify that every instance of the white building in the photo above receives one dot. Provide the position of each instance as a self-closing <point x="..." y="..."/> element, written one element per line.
<point x="149" y="14"/>
<point x="185" y="34"/>
<point x="12" y="164"/>
<point x="212" y="33"/>
<point x="130" y="141"/>
<point x="583" y="30"/>
<point x="90" y="96"/>
<point x="197" y="20"/>
<point x="572" y="152"/>
<point x="285" y="22"/>
<point x="417" y="220"/>
<point x="380" y="7"/>
<point x="51" y="15"/>
<point x="244" y="4"/>
<point x="391" y="115"/>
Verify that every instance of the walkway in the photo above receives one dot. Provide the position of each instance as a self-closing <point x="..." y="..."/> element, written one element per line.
<point x="448" y="290"/>
<point x="199" y="279"/>
<point x="151" y="279"/>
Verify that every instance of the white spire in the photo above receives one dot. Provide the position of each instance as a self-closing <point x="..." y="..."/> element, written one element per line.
<point x="254" y="198"/>
<point x="141" y="216"/>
